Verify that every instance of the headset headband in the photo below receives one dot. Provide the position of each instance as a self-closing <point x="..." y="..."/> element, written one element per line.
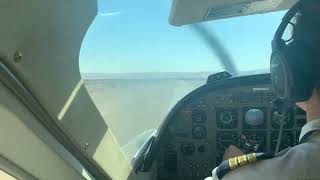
<point x="287" y="18"/>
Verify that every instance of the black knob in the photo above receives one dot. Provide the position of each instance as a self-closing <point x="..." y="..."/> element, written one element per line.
<point x="187" y="148"/>
<point x="202" y="148"/>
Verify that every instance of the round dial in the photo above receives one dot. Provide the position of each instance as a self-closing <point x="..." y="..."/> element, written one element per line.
<point x="254" y="117"/>
<point x="226" y="118"/>
<point x="199" y="132"/>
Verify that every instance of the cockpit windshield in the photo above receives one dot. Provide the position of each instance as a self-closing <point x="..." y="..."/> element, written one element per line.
<point x="136" y="66"/>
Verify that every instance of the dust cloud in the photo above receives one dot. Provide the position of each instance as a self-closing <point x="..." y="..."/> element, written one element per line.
<point x="132" y="107"/>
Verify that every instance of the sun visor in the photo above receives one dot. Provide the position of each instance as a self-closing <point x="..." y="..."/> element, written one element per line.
<point x="185" y="12"/>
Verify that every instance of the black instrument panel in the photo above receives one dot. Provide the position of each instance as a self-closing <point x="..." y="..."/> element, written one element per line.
<point x="197" y="134"/>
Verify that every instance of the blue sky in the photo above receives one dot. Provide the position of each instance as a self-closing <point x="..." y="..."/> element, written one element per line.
<point x="135" y="36"/>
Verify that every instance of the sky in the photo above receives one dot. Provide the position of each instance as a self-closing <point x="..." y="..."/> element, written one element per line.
<point x="135" y="36"/>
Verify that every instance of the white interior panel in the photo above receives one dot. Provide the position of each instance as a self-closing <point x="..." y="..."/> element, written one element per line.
<point x="23" y="147"/>
<point x="190" y="11"/>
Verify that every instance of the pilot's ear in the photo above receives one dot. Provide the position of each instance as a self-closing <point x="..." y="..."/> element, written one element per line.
<point x="302" y="105"/>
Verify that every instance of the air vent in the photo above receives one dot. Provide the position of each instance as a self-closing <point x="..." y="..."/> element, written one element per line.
<point x="241" y="8"/>
<point x="227" y="10"/>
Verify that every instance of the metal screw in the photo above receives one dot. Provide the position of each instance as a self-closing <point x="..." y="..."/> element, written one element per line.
<point x="86" y="146"/>
<point x="17" y="56"/>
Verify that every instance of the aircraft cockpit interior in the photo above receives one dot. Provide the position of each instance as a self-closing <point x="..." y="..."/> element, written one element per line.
<point x="234" y="111"/>
<point x="114" y="89"/>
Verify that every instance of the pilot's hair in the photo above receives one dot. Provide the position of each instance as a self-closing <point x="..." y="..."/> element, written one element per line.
<point x="307" y="29"/>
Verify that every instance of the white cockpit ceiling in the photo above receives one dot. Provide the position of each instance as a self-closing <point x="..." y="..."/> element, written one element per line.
<point x="185" y="12"/>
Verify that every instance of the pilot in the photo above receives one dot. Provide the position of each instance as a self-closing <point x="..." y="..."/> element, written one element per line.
<point x="295" y="67"/>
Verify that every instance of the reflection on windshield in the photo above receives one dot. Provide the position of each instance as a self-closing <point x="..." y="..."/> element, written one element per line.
<point x="134" y="146"/>
<point x="133" y="107"/>
<point x="136" y="66"/>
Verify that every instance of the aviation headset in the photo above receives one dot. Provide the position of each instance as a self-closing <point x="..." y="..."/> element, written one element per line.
<point x="293" y="73"/>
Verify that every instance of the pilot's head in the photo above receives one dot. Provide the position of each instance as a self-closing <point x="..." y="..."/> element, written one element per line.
<point x="307" y="31"/>
<point x="295" y="62"/>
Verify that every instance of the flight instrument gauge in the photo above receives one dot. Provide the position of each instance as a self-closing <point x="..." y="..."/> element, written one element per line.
<point x="227" y="119"/>
<point x="199" y="132"/>
<point x="254" y="118"/>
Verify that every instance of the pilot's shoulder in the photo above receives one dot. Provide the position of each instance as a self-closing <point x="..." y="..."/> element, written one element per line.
<point x="292" y="162"/>
<point x="239" y="163"/>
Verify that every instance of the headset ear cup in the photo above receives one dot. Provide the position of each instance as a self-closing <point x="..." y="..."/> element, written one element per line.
<point x="280" y="71"/>
<point x="291" y="71"/>
<point x="299" y="71"/>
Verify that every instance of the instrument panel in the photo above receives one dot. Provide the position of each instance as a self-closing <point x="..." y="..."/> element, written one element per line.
<point x="199" y="132"/>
